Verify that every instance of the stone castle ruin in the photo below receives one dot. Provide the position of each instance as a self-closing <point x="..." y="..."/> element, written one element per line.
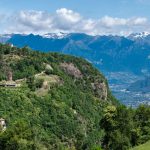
<point x="9" y="80"/>
<point x="9" y="76"/>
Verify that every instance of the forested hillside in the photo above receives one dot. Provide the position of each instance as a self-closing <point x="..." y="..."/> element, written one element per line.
<point x="54" y="101"/>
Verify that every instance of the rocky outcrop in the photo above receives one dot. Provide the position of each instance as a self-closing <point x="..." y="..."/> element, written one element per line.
<point x="70" y="69"/>
<point x="100" y="89"/>
<point x="48" y="67"/>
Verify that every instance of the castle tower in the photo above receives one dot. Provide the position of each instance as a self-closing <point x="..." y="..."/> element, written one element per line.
<point x="9" y="76"/>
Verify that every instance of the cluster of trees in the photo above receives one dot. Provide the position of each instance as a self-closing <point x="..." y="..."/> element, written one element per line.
<point x="26" y="64"/>
<point x="60" y="120"/>
<point x="33" y="83"/>
<point x="125" y="127"/>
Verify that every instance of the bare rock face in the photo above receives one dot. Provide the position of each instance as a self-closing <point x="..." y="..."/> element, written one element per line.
<point x="101" y="90"/>
<point x="71" y="70"/>
<point x="48" y="67"/>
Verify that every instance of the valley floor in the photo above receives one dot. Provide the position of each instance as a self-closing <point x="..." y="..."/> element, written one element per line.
<point x="119" y="82"/>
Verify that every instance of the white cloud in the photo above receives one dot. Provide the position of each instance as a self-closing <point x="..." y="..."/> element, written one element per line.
<point x="110" y="21"/>
<point x="68" y="15"/>
<point x="140" y="21"/>
<point x="64" y="20"/>
<point x="31" y="21"/>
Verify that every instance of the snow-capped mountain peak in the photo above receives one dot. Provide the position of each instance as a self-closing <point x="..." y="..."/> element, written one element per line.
<point x="59" y="35"/>
<point x="139" y="35"/>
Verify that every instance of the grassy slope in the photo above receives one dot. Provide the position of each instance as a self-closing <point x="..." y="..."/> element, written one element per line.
<point x="145" y="146"/>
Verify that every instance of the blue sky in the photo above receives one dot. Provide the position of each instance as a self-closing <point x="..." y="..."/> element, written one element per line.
<point x="91" y="16"/>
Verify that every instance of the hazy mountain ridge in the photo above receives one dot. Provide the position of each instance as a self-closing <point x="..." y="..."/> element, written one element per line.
<point x="141" y="85"/>
<point x="115" y="52"/>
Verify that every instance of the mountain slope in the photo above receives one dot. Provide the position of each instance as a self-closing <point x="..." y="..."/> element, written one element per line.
<point x="53" y="102"/>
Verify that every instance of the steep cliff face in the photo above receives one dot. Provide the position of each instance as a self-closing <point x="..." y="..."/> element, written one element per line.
<point x="101" y="89"/>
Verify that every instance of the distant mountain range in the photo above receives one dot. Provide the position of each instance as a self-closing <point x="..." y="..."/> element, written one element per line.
<point x="140" y="85"/>
<point x="109" y="53"/>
